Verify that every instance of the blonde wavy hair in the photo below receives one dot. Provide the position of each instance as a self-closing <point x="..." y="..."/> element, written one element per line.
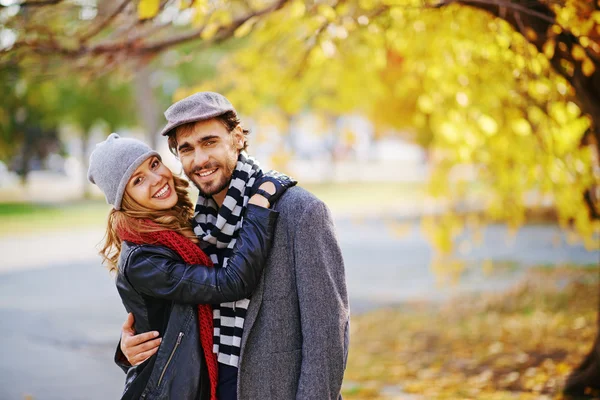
<point x="131" y="215"/>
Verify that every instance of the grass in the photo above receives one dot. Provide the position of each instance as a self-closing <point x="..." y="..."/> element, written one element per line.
<point x="20" y="217"/>
<point x="521" y="344"/>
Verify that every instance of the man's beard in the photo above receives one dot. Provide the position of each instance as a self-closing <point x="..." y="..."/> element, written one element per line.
<point x="217" y="187"/>
<point x="207" y="193"/>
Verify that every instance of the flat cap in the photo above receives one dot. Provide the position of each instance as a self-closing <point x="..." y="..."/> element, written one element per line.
<point x="197" y="107"/>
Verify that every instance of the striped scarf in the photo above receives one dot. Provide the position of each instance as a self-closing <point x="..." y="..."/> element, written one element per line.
<point x="217" y="228"/>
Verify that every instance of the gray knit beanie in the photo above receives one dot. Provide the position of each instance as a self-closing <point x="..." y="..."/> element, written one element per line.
<point x="112" y="163"/>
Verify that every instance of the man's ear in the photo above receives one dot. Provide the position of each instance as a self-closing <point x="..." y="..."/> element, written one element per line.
<point x="239" y="139"/>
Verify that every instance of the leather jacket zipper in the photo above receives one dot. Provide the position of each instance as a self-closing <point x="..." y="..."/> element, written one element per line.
<point x="170" y="357"/>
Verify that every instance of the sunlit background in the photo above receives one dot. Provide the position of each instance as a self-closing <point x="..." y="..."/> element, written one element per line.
<point x="455" y="142"/>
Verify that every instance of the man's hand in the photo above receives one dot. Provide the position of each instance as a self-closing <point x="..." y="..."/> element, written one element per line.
<point x="137" y="348"/>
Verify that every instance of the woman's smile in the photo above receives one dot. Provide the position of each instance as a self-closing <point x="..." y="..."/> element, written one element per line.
<point x="165" y="191"/>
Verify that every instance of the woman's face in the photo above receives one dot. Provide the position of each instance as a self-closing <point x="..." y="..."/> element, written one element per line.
<point x="152" y="185"/>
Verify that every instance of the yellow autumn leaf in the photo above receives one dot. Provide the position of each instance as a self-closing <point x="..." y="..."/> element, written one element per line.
<point x="588" y="67"/>
<point x="148" y="8"/>
<point x="548" y="48"/>
<point x="245" y="28"/>
<point x="531" y="34"/>
<point x="201" y="7"/>
<point x="327" y="11"/>
<point x="222" y="17"/>
<point x="521" y="127"/>
<point x="449" y="132"/>
<point x="425" y="104"/>
<point x="585" y="41"/>
<point x="578" y="52"/>
<point x="297" y="9"/>
<point x="488" y="125"/>
<point x="209" y="31"/>
<point x="367" y="4"/>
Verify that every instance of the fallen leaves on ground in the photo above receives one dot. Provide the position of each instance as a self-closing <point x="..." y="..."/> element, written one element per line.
<point x="520" y="344"/>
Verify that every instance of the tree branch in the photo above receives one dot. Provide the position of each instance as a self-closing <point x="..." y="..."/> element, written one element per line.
<point x="225" y="31"/>
<point x="503" y="4"/>
<point x="107" y="21"/>
<point x="38" y="3"/>
<point x="136" y="46"/>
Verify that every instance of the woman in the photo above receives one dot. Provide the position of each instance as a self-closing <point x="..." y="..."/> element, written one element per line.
<point x="161" y="272"/>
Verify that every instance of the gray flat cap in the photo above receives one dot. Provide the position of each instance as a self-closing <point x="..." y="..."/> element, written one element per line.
<point x="197" y="107"/>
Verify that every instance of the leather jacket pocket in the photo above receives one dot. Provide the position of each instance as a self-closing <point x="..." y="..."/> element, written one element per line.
<point x="162" y="374"/>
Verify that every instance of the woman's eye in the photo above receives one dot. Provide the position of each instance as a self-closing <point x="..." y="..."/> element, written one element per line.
<point x="137" y="181"/>
<point x="155" y="163"/>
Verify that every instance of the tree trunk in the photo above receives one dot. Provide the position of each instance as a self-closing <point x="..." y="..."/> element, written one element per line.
<point x="540" y="18"/>
<point x="25" y="164"/>
<point x="85" y="162"/>
<point x="148" y="109"/>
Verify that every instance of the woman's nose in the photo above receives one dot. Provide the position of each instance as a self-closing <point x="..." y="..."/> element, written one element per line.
<point x="154" y="178"/>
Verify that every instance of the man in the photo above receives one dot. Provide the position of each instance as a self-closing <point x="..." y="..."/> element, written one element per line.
<point x="290" y="339"/>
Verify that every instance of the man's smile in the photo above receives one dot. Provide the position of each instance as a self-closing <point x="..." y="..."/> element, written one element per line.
<point x="207" y="173"/>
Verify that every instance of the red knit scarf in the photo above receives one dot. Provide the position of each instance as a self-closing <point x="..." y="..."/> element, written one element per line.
<point x="191" y="254"/>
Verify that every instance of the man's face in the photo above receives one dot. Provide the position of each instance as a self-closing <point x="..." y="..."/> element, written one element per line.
<point x="208" y="153"/>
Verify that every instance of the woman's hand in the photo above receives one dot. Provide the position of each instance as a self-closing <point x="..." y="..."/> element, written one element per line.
<point x="137" y="348"/>
<point x="261" y="200"/>
<point x="269" y="187"/>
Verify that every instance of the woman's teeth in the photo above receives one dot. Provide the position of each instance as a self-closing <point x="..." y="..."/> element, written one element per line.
<point x="162" y="191"/>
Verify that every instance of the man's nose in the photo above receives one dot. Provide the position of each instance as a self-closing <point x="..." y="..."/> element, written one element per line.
<point x="200" y="158"/>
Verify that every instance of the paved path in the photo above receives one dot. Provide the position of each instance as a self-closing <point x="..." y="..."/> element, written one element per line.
<point x="61" y="315"/>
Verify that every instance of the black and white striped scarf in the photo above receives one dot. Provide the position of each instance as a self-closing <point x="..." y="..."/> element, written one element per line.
<point x="217" y="229"/>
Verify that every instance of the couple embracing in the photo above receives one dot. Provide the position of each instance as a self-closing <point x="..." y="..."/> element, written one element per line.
<point x="241" y="296"/>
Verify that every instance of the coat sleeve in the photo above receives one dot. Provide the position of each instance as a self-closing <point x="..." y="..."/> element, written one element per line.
<point x="158" y="272"/>
<point x="323" y="303"/>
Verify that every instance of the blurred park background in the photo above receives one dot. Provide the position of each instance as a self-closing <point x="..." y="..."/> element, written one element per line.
<point x="456" y="143"/>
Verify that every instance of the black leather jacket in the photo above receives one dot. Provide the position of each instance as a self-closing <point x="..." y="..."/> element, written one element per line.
<point x="162" y="293"/>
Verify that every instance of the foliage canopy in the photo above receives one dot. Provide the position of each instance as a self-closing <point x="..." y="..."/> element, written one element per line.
<point x="507" y="98"/>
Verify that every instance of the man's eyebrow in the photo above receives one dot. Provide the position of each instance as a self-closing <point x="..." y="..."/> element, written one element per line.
<point x="183" y="146"/>
<point x="209" y="137"/>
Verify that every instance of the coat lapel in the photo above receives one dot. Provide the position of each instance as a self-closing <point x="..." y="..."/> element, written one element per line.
<point x="252" y="312"/>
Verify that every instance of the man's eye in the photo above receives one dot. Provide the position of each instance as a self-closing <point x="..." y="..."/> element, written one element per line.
<point x="184" y="150"/>
<point x="210" y="142"/>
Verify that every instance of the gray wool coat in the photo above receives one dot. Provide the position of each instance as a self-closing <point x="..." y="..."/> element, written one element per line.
<point x="296" y="331"/>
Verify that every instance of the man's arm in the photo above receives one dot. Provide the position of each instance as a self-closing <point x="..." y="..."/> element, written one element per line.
<point x="134" y="349"/>
<point x="323" y="304"/>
